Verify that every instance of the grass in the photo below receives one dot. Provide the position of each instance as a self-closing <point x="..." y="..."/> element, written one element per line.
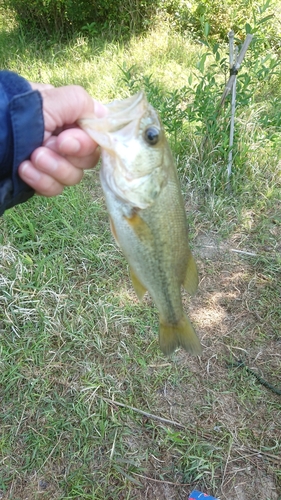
<point x="75" y="342"/>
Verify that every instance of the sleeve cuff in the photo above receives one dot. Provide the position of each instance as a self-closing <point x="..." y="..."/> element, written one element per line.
<point x="28" y="131"/>
<point x="24" y="126"/>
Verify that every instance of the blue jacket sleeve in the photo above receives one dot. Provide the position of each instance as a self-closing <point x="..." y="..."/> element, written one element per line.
<point x="21" y="131"/>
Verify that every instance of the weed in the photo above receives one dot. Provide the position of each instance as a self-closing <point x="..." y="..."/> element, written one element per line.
<point x="74" y="339"/>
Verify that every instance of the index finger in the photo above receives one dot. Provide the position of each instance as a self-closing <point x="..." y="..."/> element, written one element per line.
<point x="72" y="142"/>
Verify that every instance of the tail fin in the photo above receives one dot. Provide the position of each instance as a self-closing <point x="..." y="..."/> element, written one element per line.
<point x="181" y="334"/>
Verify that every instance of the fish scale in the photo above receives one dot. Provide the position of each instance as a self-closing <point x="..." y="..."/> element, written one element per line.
<point x="147" y="213"/>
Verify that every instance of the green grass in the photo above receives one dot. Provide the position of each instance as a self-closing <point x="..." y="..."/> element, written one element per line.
<point x="75" y="341"/>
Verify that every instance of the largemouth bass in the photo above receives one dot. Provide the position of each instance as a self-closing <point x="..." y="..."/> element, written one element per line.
<point x="147" y="214"/>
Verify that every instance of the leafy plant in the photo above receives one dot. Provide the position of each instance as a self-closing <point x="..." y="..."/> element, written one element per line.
<point x="193" y="110"/>
<point x="92" y="16"/>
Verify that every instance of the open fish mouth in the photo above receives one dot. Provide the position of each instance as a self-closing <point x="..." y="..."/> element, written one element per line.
<point x="132" y="163"/>
<point x="120" y="114"/>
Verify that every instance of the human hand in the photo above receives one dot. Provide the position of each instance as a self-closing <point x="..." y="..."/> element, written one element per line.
<point x="67" y="150"/>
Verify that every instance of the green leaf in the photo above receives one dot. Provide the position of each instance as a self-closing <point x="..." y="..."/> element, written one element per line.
<point x="206" y="29"/>
<point x="265" y="19"/>
<point x="201" y="63"/>
<point x="248" y="28"/>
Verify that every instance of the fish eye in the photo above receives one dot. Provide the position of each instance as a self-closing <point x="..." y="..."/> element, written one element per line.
<point x="151" y="135"/>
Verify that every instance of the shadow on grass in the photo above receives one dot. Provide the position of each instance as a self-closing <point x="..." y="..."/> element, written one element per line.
<point x="18" y="41"/>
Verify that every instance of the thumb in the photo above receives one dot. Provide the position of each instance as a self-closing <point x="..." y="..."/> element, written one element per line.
<point x="63" y="106"/>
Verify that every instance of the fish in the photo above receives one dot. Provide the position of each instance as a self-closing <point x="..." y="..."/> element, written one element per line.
<point x="147" y="214"/>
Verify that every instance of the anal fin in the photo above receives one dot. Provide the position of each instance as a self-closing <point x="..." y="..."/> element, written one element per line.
<point x="190" y="281"/>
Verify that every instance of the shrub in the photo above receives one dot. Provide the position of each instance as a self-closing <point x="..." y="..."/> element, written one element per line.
<point x="223" y="16"/>
<point x="124" y="17"/>
<point x="62" y="16"/>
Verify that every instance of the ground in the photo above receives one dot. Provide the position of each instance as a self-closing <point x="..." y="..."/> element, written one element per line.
<point x="74" y="392"/>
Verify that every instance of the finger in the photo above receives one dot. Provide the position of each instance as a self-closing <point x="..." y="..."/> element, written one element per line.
<point x="43" y="184"/>
<point x="72" y="142"/>
<point x="81" y="162"/>
<point x="57" y="166"/>
<point x="41" y="86"/>
<point x="85" y="163"/>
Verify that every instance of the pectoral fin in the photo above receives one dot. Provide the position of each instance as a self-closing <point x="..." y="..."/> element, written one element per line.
<point x="190" y="281"/>
<point x="138" y="286"/>
<point x="180" y="334"/>
<point x="140" y="228"/>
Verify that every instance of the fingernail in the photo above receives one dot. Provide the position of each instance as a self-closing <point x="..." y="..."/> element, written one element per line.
<point x="70" y="146"/>
<point x="30" y="173"/>
<point x="100" y="109"/>
<point x="45" y="160"/>
<point x="51" y="143"/>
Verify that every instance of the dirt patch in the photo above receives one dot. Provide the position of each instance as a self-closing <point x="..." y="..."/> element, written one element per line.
<point x="236" y="314"/>
<point x="249" y="482"/>
<point x="217" y="407"/>
<point x="34" y="487"/>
